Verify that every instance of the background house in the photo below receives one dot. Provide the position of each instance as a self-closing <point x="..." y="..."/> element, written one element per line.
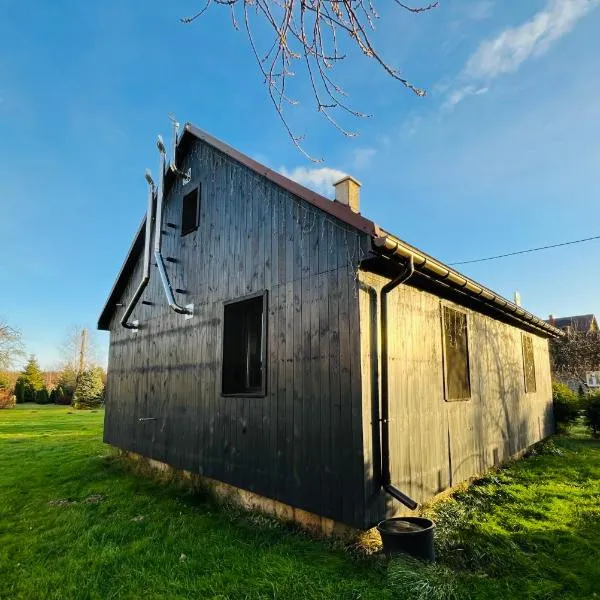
<point x="576" y="356"/>
<point x="283" y="344"/>
<point x="583" y="323"/>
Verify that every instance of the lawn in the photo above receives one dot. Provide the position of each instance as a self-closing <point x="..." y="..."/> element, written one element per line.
<point x="76" y="523"/>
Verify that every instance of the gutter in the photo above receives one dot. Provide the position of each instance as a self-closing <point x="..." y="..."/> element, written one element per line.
<point x="386" y="475"/>
<point x="392" y="246"/>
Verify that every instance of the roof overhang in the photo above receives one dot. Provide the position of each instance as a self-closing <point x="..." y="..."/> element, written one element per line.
<point x="395" y="248"/>
<point x="383" y="242"/>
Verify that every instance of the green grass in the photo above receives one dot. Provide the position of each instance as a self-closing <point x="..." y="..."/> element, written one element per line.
<point x="531" y="530"/>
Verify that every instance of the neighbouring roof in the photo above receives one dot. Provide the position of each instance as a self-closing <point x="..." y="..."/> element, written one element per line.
<point x="383" y="243"/>
<point x="577" y="322"/>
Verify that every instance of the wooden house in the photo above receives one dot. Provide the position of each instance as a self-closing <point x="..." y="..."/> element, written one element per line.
<point x="284" y="345"/>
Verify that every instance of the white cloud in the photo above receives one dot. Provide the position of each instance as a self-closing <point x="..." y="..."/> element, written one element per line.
<point x="320" y="179"/>
<point x="363" y="157"/>
<point x="459" y="94"/>
<point x="506" y="52"/>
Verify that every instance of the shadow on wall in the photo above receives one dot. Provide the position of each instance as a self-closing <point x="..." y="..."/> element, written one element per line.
<point x="499" y="413"/>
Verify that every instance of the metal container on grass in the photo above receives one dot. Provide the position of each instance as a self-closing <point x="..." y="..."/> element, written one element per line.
<point x="408" y="535"/>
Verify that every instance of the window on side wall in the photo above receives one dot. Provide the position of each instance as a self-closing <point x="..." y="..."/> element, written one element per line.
<point x="244" y="347"/>
<point x="528" y="363"/>
<point x="190" y="211"/>
<point x="457" y="378"/>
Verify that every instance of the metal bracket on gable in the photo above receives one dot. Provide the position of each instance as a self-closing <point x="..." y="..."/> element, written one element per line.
<point x="190" y="314"/>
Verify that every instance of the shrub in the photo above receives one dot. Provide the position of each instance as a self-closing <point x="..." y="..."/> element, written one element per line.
<point x="591" y="411"/>
<point x="89" y="392"/>
<point x="59" y="396"/>
<point x="42" y="397"/>
<point x="4" y="382"/>
<point x="566" y="406"/>
<point x="67" y="382"/>
<point x="7" y="399"/>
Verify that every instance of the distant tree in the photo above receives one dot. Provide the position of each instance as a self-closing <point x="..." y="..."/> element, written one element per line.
<point x="29" y="382"/>
<point x="11" y="346"/>
<point x="574" y="354"/>
<point x="4" y="382"/>
<point x="89" y="392"/>
<point x="79" y="350"/>
<point x="311" y="38"/>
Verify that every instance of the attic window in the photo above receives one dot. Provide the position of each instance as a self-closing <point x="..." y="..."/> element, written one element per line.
<point x="244" y="347"/>
<point x="190" y="211"/>
<point x="457" y="378"/>
<point x="528" y="364"/>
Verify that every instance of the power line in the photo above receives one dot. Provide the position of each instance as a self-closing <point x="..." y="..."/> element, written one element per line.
<point x="466" y="262"/>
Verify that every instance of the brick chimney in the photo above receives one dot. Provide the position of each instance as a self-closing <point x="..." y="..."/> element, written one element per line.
<point x="347" y="191"/>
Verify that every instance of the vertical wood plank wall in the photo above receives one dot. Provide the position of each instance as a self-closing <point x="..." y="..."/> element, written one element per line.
<point x="435" y="444"/>
<point x="302" y="443"/>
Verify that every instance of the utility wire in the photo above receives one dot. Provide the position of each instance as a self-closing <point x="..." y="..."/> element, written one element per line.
<point x="466" y="262"/>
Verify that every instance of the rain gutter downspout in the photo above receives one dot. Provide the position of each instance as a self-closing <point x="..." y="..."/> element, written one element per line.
<point x="386" y="476"/>
<point x="146" y="265"/>
<point x="182" y="310"/>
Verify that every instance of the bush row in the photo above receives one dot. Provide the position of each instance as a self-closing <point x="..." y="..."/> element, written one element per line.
<point x="569" y="407"/>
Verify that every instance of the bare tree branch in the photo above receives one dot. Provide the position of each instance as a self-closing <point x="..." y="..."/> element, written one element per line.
<point x="11" y="346"/>
<point x="306" y="33"/>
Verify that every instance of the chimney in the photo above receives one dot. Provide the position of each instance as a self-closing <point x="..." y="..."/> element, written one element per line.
<point x="347" y="191"/>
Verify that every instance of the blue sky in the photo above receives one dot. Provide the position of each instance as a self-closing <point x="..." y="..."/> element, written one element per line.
<point x="502" y="154"/>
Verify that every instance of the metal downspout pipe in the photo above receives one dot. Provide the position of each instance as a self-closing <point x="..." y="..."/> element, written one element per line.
<point x="386" y="475"/>
<point x="182" y="310"/>
<point x="146" y="265"/>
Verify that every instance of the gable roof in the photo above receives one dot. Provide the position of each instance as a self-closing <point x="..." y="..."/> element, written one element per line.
<point x="578" y="322"/>
<point x="383" y="242"/>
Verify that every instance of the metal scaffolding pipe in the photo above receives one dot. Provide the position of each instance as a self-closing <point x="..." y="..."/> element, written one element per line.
<point x="164" y="277"/>
<point x="146" y="265"/>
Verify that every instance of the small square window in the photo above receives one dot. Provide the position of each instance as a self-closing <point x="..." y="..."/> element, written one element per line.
<point x="528" y="363"/>
<point x="456" y="354"/>
<point x="190" y="212"/>
<point x="244" y="347"/>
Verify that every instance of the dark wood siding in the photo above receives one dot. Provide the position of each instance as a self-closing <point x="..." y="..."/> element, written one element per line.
<point x="302" y="442"/>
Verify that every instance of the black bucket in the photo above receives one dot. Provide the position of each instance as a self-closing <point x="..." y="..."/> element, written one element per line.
<point x="408" y="535"/>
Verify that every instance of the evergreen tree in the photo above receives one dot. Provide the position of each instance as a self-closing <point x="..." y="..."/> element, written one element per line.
<point x="30" y="382"/>
<point x="90" y="389"/>
<point x="42" y="397"/>
<point x="65" y="386"/>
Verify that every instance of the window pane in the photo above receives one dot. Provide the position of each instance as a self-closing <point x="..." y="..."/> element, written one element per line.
<point x="243" y="348"/>
<point x="528" y="364"/>
<point x="189" y="212"/>
<point x="456" y="346"/>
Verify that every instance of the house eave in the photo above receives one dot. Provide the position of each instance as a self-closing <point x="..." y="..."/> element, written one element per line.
<point x="395" y="248"/>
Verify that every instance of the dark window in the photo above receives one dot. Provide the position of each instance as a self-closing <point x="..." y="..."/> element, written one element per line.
<point x="456" y="354"/>
<point x="244" y="347"/>
<point x="190" y="212"/>
<point x="528" y="364"/>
